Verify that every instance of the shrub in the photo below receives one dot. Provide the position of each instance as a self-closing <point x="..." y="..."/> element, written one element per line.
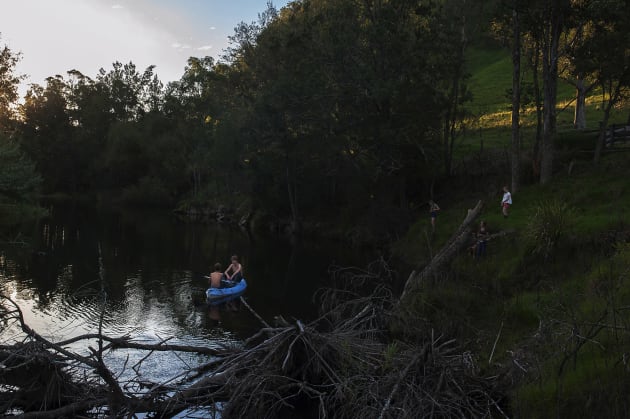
<point x="550" y="222"/>
<point x="19" y="180"/>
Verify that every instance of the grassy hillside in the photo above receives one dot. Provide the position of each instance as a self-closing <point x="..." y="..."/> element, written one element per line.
<point x="490" y="84"/>
<point x="547" y="307"/>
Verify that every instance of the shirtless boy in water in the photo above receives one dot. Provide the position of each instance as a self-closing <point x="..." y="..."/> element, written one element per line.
<point x="234" y="272"/>
<point x="215" y="277"/>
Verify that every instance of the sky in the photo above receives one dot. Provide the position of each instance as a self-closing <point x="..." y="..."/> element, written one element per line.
<point x="55" y="36"/>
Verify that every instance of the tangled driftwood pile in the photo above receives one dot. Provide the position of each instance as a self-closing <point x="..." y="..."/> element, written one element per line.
<point x="344" y="364"/>
<point x="341" y="367"/>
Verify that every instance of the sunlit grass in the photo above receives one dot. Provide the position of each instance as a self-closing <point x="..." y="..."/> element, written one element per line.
<point x="514" y="290"/>
<point x="491" y="119"/>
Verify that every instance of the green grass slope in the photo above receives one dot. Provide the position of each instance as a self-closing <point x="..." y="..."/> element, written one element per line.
<point x="490" y="84"/>
<point x="548" y="308"/>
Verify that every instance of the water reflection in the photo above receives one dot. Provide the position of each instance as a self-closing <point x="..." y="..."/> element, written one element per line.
<point x="140" y="269"/>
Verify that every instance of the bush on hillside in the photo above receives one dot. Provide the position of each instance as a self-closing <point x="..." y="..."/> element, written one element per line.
<point x="550" y="222"/>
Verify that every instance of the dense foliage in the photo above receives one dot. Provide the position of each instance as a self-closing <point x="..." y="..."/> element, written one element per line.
<point x="299" y="118"/>
<point x="347" y="108"/>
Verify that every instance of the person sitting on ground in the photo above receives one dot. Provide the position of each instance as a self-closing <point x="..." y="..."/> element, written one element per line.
<point x="234" y="272"/>
<point x="215" y="276"/>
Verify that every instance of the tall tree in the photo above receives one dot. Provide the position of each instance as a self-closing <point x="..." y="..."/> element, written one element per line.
<point x="19" y="180"/>
<point x="132" y="93"/>
<point x="47" y="135"/>
<point x="366" y="102"/>
<point x="516" y="97"/>
<point x="575" y="73"/>
<point x="455" y="24"/>
<point x="519" y="25"/>
<point x="206" y="107"/>
<point x="554" y="15"/>
<point x="9" y="82"/>
<point x="605" y="55"/>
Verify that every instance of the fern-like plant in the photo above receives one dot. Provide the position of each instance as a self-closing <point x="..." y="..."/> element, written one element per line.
<point x="549" y="223"/>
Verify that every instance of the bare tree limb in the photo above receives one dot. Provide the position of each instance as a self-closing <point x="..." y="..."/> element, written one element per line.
<point x="70" y="410"/>
<point x="455" y="244"/>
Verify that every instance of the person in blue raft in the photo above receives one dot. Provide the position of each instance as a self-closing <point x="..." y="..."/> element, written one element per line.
<point x="234" y="272"/>
<point x="215" y="277"/>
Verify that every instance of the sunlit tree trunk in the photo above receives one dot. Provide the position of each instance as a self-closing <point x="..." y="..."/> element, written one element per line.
<point x="579" y="117"/>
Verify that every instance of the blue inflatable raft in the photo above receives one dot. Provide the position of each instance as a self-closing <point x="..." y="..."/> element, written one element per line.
<point x="226" y="293"/>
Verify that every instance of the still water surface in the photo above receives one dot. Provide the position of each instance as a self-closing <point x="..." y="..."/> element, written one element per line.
<point x="149" y="265"/>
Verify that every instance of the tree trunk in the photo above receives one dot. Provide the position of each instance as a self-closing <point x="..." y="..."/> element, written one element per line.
<point x="452" y="116"/>
<point x="516" y="101"/>
<point x="579" y="117"/>
<point x="612" y="100"/>
<point x="551" y="42"/>
<point x="535" y="61"/>
<point x="292" y="194"/>
<point x="456" y="243"/>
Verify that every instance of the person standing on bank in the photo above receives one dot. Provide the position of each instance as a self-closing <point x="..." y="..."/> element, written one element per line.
<point x="506" y="202"/>
<point x="433" y="212"/>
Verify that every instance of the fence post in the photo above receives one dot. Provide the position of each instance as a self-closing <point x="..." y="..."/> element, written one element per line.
<point x="611" y="130"/>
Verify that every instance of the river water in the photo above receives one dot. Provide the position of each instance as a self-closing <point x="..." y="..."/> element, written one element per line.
<point x="142" y="268"/>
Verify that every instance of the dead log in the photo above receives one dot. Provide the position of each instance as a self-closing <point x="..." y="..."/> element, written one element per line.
<point x="447" y="253"/>
<point x="207" y="390"/>
<point x="32" y="379"/>
<point x="68" y="411"/>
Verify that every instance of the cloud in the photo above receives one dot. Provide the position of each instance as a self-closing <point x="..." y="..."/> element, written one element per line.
<point x="177" y="45"/>
<point x="55" y="36"/>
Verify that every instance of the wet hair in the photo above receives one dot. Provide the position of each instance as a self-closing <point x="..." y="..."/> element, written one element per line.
<point x="217" y="266"/>
<point x="234" y="258"/>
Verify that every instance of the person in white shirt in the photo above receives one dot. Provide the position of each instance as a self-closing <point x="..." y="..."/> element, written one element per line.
<point x="506" y="201"/>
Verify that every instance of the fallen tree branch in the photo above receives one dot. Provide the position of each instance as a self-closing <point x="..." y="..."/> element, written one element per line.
<point x="388" y="402"/>
<point x="70" y="410"/>
<point x="453" y="246"/>
<point x="124" y="342"/>
<point x="260" y="319"/>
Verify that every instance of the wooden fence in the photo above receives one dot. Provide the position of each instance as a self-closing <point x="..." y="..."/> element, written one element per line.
<point x="617" y="134"/>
